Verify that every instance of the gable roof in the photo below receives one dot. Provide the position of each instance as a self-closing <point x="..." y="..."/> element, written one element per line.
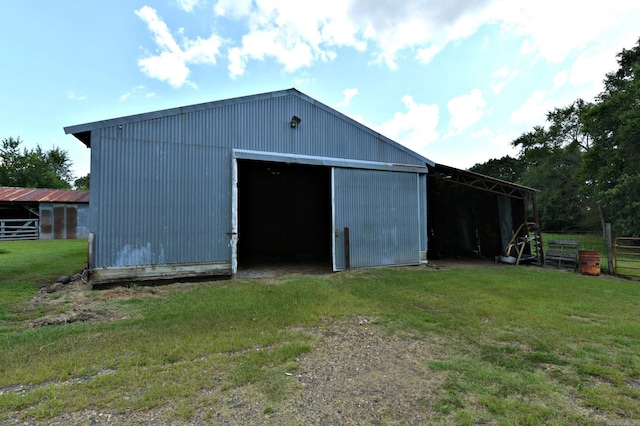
<point x="83" y="131"/>
<point x="41" y="195"/>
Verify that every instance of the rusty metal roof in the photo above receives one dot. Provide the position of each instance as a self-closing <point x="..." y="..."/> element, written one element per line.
<point x="40" y="195"/>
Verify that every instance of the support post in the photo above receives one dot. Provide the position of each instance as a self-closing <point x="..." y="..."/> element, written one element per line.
<point x="607" y="236"/>
<point x="347" y="254"/>
<point x="233" y="235"/>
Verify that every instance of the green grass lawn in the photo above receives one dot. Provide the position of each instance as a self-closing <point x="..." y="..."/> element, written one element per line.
<point x="25" y="266"/>
<point x="517" y="345"/>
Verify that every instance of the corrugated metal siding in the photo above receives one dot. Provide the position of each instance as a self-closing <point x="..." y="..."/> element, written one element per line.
<point x="264" y="126"/>
<point x="422" y="199"/>
<point x="161" y="187"/>
<point x="83" y="222"/>
<point x="381" y="210"/>
<point x="160" y="203"/>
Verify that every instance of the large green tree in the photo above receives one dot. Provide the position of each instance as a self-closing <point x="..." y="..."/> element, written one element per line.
<point x="586" y="160"/>
<point x="552" y="158"/>
<point x="83" y="182"/>
<point x="506" y="168"/>
<point x="33" y="168"/>
<point x="611" y="171"/>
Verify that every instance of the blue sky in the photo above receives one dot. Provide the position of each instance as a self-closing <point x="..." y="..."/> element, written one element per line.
<point x="455" y="80"/>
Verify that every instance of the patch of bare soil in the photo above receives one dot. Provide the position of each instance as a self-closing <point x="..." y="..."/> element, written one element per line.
<point x="362" y="375"/>
<point x="76" y="302"/>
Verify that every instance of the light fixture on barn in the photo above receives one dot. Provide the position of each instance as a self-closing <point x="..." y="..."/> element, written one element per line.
<point x="295" y="121"/>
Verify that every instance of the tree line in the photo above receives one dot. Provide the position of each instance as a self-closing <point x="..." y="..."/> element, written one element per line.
<point x="37" y="168"/>
<point x="586" y="160"/>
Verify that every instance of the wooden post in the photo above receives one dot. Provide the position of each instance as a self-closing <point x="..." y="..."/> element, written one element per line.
<point x="347" y="253"/>
<point x="90" y="242"/>
<point x="607" y="236"/>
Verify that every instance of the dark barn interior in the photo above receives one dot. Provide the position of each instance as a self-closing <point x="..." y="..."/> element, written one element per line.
<point x="284" y="213"/>
<point x="13" y="210"/>
<point x="470" y="215"/>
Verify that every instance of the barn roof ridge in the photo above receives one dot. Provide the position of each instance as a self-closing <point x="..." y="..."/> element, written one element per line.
<point x="83" y="131"/>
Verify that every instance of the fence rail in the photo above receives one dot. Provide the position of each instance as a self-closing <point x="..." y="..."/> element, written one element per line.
<point x="626" y="254"/>
<point x="19" y="229"/>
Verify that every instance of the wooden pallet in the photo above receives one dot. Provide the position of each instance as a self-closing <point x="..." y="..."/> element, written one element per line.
<point x="562" y="253"/>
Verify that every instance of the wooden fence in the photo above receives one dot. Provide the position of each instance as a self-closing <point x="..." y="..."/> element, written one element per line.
<point x="19" y="229"/>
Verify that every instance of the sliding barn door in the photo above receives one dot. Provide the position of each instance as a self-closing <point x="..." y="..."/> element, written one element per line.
<point x="381" y="210"/>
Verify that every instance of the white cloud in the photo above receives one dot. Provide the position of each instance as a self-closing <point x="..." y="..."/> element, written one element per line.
<point x="293" y="36"/>
<point x="166" y="67"/>
<point x="426" y="54"/>
<point x="554" y="29"/>
<point x="292" y="53"/>
<point x="187" y="5"/>
<point x="298" y="36"/>
<point x="135" y="92"/>
<point x="75" y="96"/>
<point x="533" y="111"/>
<point x="589" y="69"/>
<point x="465" y="111"/>
<point x="560" y="79"/>
<point x="233" y="8"/>
<point x="484" y="132"/>
<point x="415" y="128"/>
<point x="172" y="62"/>
<point x="276" y="27"/>
<point x="348" y="95"/>
<point x="426" y="26"/>
<point x="502" y="77"/>
<point x="551" y="30"/>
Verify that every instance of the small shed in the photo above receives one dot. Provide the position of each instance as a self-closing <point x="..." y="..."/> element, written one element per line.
<point x="278" y="177"/>
<point x="46" y="214"/>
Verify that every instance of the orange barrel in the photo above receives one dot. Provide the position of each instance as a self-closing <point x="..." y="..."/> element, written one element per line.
<point x="589" y="262"/>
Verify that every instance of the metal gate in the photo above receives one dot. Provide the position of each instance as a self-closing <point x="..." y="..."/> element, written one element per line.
<point x="626" y="254"/>
<point x="18" y="229"/>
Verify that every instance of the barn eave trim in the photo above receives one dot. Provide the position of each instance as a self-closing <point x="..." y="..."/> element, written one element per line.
<point x="242" y="154"/>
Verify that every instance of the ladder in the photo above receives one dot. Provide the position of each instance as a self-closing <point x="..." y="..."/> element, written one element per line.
<point x="521" y="238"/>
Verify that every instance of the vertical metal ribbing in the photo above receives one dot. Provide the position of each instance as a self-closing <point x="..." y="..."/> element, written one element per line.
<point x="161" y="185"/>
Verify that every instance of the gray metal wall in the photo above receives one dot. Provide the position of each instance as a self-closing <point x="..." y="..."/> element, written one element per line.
<point x="160" y="190"/>
<point x="82" y="232"/>
<point x="381" y="210"/>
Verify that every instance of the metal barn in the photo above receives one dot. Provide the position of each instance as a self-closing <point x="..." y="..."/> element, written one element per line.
<point x="271" y="178"/>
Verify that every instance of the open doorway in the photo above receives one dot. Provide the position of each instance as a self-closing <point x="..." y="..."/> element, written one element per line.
<point x="284" y="214"/>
